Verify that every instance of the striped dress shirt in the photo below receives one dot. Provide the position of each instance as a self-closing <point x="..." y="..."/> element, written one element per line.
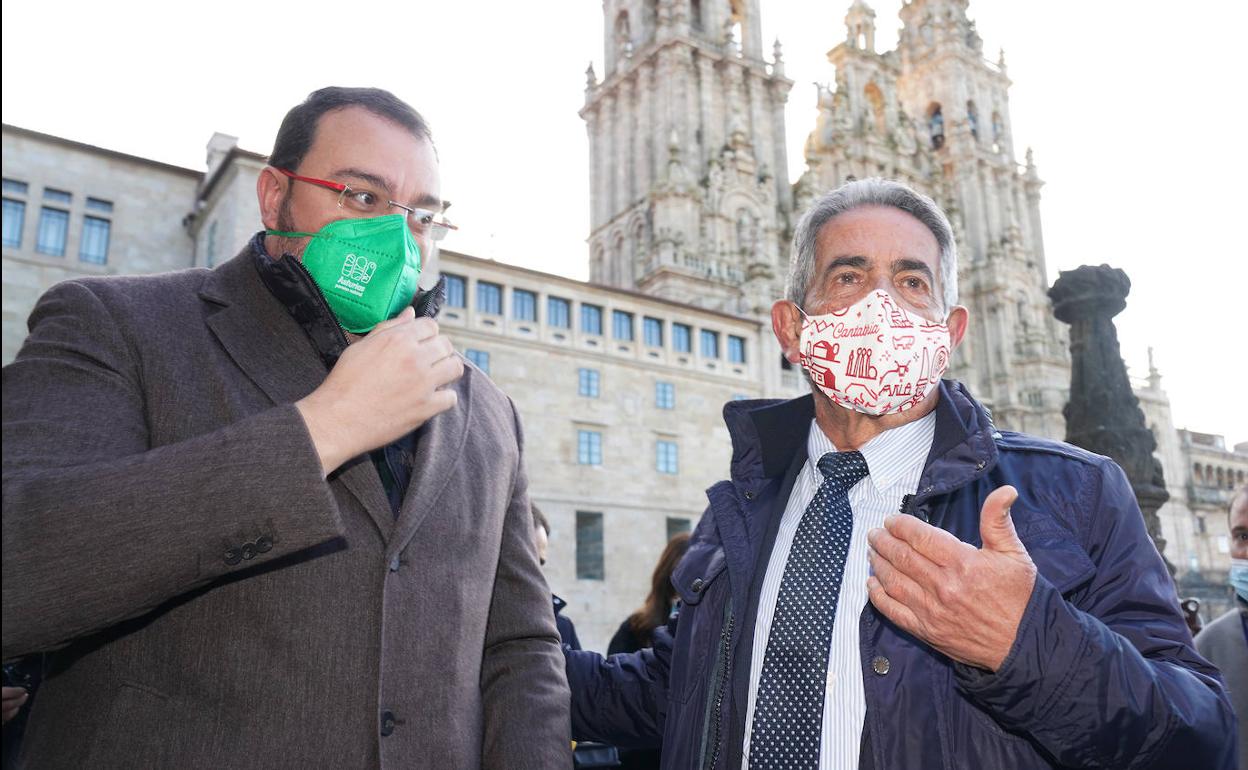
<point x="895" y="461"/>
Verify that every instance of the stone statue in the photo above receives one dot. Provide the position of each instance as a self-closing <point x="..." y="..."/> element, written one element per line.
<point x="1103" y="414"/>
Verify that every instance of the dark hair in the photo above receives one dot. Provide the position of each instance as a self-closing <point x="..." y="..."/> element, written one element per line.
<point x="298" y="129"/>
<point x="539" y="519"/>
<point x="658" y="604"/>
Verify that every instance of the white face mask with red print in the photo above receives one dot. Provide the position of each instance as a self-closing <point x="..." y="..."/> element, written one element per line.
<point x="873" y="356"/>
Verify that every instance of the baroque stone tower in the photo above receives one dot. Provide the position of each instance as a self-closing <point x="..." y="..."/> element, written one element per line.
<point x="690" y="198"/>
<point x="934" y="113"/>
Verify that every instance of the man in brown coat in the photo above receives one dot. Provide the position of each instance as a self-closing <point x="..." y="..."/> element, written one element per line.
<point x="256" y="540"/>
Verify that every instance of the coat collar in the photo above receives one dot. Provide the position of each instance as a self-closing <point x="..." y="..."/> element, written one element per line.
<point x="767" y="433"/>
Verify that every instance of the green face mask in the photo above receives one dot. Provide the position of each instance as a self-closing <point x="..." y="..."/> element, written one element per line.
<point x="366" y="268"/>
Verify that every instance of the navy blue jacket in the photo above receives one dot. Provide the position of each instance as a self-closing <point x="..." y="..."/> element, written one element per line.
<point x="1102" y="672"/>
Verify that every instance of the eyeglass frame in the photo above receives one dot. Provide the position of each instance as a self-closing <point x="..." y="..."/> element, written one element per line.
<point x="437" y="229"/>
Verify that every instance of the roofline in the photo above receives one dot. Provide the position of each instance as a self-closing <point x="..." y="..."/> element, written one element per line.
<point x="235" y="152"/>
<point x="27" y="132"/>
<point x="602" y="287"/>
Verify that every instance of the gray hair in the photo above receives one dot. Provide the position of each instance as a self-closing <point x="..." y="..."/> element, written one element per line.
<point x="871" y="192"/>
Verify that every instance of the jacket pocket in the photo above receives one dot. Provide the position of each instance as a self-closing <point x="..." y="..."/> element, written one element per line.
<point x="1057" y="556"/>
<point x="701" y="581"/>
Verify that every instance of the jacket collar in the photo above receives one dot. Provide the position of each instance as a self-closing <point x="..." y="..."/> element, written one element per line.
<point x="767" y="433"/>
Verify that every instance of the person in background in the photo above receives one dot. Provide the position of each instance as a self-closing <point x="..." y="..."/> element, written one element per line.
<point x="1225" y="641"/>
<point x="541" y="537"/>
<point x="637" y="632"/>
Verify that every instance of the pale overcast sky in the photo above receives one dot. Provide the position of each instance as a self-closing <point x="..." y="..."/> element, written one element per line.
<point x="1135" y="111"/>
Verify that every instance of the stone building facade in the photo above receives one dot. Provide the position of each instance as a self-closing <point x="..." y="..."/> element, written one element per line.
<point x="620" y="380"/>
<point x="71" y="209"/>
<point x="934" y="113"/>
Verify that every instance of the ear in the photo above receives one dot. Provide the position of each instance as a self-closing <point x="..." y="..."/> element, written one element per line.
<point x="786" y="323"/>
<point x="270" y="190"/>
<point x="957" y="322"/>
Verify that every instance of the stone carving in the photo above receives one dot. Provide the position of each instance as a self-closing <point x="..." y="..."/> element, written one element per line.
<point x="1103" y="414"/>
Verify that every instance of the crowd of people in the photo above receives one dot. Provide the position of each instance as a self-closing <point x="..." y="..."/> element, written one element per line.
<point x="265" y="515"/>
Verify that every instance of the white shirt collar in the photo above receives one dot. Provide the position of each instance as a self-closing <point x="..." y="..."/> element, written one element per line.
<point x="891" y="456"/>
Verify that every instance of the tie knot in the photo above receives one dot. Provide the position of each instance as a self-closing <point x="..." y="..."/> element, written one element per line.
<point x="845" y="469"/>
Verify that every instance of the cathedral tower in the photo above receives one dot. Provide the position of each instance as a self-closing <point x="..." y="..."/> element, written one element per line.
<point x="689" y="190"/>
<point x="934" y="113"/>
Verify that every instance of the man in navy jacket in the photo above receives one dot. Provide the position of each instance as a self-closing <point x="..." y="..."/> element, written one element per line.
<point x="1016" y="615"/>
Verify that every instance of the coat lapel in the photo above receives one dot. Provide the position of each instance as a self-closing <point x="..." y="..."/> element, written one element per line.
<point x="274" y="352"/>
<point x="438" y="450"/>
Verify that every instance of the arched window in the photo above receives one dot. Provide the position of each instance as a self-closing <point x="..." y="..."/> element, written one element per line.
<point x="1221" y="478"/>
<point x="936" y="126"/>
<point x="1239" y="477"/>
<point x="876" y="99"/>
<point x="972" y="118"/>
<point x="998" y="128"/>
<point x="695" y="14"/>
<point x="1198" y="474"/>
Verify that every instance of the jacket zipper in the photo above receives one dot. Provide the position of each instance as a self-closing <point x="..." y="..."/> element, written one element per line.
<point x="324" y="303"/>
<point x="715" y="721"/>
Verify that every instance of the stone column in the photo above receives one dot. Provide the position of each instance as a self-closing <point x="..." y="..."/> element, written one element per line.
<point x="1103" y="414"/>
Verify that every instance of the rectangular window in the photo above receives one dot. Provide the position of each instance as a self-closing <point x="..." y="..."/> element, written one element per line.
<point x="665" y="456"/>
<point x="589" y="551"/>
<point x="677" y="526"/>
<point x="587" y="384"/>
<point x="14" y="221"/>
<point x="489" y="298"/>
<point x="622" y="325"/>
<point x="664" y="395"/>
<point x="710" y="344"/>
<point x="53" y="229"/>
<point x="99" y="204"/>
<point x="652" y="330"/>
<point x="57" y="196"/>
<point x="736" y="349"/>
<point x="682" y="338"/>
<point x="94" y="245"/>
<point x="14" y="187"/>
<point x="479" y="359"/>
<point x="523" y="305"/>
<point x="559" y="312"/>
<point x="456" y="290"/>
<point x="591" y="319"/>
<point x="588" y="447"/>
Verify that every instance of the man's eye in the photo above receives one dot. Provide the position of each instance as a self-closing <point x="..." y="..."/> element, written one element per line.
<point x="364" y="197"/>
<point x="914" y="284"/>
<point x="425" y="219"/>
<point x="846" y="278"/>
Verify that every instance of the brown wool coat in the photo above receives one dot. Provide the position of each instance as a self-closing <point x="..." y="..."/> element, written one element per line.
<point x="150" y="442"/>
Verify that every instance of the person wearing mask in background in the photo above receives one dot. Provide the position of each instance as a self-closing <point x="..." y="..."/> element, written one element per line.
<point x="637" y="632"/>
<point x="265" y="514"/>
<point x="1225" y="641"/>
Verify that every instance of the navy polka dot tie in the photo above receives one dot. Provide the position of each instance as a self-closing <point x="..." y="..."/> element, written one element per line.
<point x="788" y="710"/>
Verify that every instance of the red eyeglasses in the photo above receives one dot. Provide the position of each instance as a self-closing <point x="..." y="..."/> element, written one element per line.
<point x="371" y="203"/>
